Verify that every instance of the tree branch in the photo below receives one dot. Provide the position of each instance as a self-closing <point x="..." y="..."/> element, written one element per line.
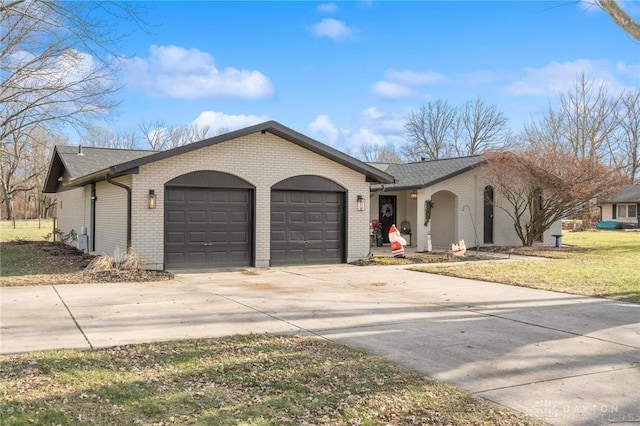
<point x="621" y="18"/>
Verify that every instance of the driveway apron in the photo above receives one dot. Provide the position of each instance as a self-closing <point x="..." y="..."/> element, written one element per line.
<point x="565" y="359"/>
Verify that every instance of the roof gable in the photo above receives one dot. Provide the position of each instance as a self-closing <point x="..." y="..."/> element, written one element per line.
<point x="426" y="173"/>
<point x="90" y="168"/>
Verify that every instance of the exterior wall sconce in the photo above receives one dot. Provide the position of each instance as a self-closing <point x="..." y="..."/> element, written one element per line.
<point x="414" y="195"/>
<point x="152" y="199"/>
<point x="360" y="203"/>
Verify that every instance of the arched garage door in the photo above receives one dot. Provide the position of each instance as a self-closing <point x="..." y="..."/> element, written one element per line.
<point x="208" y="221"/>
<point x="307" y="221"/>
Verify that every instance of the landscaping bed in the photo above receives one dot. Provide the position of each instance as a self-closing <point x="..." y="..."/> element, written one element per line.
<point x="51" y="263"/>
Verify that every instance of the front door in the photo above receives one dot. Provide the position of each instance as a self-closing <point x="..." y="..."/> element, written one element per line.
<point x="387" y="211"/>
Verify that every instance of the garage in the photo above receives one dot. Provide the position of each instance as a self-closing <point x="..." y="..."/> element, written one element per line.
<point x="208" y="221"/>
<point x="307" y="221"/>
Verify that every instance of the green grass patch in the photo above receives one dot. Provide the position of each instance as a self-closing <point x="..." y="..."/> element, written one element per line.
<point x="30" y="262"/>
<point x="27" y="230"/>
<point x="250" y="380"/>
<point x="596" y="263"/>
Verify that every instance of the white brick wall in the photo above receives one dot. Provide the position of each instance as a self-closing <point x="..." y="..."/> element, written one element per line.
<point x="111" y="216"/>
<point x="262" y="160"/>
<point x="73" y="209"/>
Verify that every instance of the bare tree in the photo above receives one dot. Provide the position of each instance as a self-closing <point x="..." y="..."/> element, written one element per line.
<point x="154" y="134"/>
<point x="103" y="137"/>
<point x="484" y="127"/>
<point x="545" y="133"/>
<point x="373" y="153"/>
<point x="56" y="69"/>
<point x="429" y="131"/>
<point x="159" y="136"/>
<point x="584" y="124"/>
<point x="588" y="118"/>
<point x="439" y="130"/>
<point x="538" y="187"/>
<point x="42" y="144"/>
<point x="627" y="136"/>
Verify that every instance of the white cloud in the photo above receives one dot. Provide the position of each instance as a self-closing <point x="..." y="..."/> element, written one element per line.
<point x="375" y="127"/>
<point x="365" y="136"/>
<point x="220" y="121"/>
<point x="412" y="78"/>
<point x="332" y="28"/>
<point x="560" y="77"/>
<point x="390" y="90"/>
<point x="177" y="72"/>
<point x="323" y="126"/>
<point x="327" y="8"/>
<point x="398" y="84"/>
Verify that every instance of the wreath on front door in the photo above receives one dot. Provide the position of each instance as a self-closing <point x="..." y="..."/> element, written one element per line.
<point x="387" y="210"/>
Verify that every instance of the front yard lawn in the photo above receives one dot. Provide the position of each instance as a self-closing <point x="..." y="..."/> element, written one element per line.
<point x="240" y="380"/>
<point x="597" y="263"/>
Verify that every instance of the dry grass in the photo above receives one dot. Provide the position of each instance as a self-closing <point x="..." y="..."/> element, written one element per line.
<point x="241" y="380"/>
<point x="597" y="263"/>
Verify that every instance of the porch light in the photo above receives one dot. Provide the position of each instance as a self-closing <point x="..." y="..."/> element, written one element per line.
<point x="360" y="203"/>
<point x="414" y="195"/>
<point x="152" y="199"/>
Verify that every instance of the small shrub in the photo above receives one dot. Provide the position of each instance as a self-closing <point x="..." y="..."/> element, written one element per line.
<point x="132" y="262"/>
<point x="100" y="263"/>
<point x="119" y="261"/>
<point x="60" y="236"/>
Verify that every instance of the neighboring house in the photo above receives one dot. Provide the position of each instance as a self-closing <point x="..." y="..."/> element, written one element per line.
<point x="623" y="208"/>
<point x="260" y="196"/>
<point x="464" y="205"/>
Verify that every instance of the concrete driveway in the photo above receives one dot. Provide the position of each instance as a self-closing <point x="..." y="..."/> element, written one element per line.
<point x="568" y="360"/>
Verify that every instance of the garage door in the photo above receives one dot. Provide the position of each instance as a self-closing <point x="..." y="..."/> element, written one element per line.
<point x="307" y="224"/>
<point x="208" y="227"/>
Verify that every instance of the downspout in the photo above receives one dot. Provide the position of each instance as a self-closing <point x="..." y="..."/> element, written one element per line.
<point x="121" y="185"/>
<point x="93" y="217"/>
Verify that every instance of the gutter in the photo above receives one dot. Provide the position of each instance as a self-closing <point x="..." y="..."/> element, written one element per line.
<point x="128" y="189"/>
<point x="93" y="217"/>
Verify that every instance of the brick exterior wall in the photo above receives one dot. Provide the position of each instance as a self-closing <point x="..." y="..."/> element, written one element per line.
<point x="111" y="217"/>
<point x="262" y="160"/>
<point x="73" y="209"/>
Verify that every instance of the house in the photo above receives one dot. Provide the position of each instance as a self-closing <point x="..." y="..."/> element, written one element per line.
<point x="260" y="196"/>
<point x="456" y="197"/>
<point x="624" y="208"/>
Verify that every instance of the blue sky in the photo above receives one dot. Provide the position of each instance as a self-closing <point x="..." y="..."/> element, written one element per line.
<point x="349" y="72"/>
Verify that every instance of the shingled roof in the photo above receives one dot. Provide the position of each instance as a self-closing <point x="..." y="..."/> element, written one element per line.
<point x="97" y="163"/>
<point x="78" y="161"/>
<point x="630" y="194"/>
<point x="426" y="173"/>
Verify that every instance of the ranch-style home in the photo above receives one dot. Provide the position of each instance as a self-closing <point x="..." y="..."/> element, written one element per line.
<point x="624" y="208"/>
<point x="263" y="196"/>
<point x="260" y="196"/>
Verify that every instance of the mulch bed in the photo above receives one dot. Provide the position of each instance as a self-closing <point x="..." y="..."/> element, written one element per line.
<point x="57" y="260"/>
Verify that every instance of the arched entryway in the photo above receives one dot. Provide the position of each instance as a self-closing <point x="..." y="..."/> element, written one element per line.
<point x="444" y="220"/>
<point x="209" y="221"/>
